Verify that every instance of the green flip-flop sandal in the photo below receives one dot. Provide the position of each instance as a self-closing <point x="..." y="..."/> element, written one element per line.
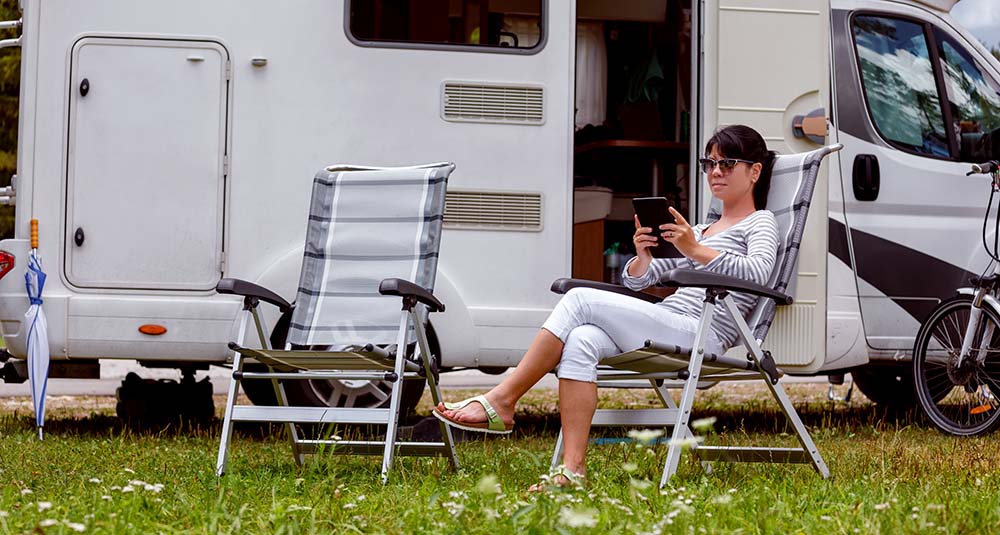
<point x="493" y="423"/>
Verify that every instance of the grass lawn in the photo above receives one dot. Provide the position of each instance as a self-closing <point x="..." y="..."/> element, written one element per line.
<point x="891" y="474"/>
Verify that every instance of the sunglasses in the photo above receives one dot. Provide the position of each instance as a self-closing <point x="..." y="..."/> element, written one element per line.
<point x="726" y="165"/>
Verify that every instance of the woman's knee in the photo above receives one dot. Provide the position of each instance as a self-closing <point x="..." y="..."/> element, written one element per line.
<point x="585" y="346"/>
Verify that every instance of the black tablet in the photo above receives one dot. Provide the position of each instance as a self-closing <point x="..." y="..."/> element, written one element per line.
<point x="652" y="212"/>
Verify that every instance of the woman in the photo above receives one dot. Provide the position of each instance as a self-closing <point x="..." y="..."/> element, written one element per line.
<point x="588" y="325"/>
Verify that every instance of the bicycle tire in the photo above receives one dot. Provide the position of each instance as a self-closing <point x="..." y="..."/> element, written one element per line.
<point x="959" y="400"/>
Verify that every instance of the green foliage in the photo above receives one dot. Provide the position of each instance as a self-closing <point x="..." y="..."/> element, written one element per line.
<point x="10" y="87"/>
<point x="889" y="475"/>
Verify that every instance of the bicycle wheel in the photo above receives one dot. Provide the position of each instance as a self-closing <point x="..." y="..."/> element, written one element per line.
<point x="959" y="398"/>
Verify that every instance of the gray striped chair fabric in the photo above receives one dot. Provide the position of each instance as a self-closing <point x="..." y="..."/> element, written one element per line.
<point x="365" y="225"/>
<point x="793" y="180"/>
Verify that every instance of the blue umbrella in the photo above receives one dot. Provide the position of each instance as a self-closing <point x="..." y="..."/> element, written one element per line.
<point x="38" y="333"/>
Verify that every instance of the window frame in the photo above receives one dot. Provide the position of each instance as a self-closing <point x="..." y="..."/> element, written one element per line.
<point x="543" y="38"/>
<point x="934" y="57"/>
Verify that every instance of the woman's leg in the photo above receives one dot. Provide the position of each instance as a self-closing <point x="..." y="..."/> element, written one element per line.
<point x="577" y="403"/>
<point x="543" y="354"/>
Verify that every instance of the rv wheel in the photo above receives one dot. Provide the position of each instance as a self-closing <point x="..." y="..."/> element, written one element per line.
<point x="331" y="392"/>
<point x="889" y="385"/>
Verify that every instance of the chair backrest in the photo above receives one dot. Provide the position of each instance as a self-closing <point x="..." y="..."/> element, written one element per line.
<point x="366" y="224"/>
<point x="793" y="180"/>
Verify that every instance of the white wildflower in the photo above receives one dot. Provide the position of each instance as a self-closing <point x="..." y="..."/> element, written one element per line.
<point x="731" y="491"/>
<point x="824" y="517"/>
<point x="645" y="436"/>
<point x="297" y="507"/>
<point x="687" y="442"/>
<point x="128" y="470"/>
<point x="914" y="509"/>
<point x="935" y="507"/>
<point x="336" y="437"/>
<point x="488" y="485"/>
<point x="128" y="488"/>
<point x="47" y="523"/>
<point x="79" y="528"/>
<point x="704" y="424"/>
<point x="979" y="482"/>
<point x="722" y="499"/>
<point x="299" y="481"/>
<point x="881" y="506"/>
<point x="453" y="508"/>
<point x="640" y="484"/>
<point x="116" y="487"/>
<point x="155" y="488"/>
<point x="44" y="505"/>
<point x="350" y="505"/>
<point x="25" y="492"/>
<point x="93" y="480"/>
<point x="4" y="514"/>
<point x="137" y="483"/>
<point x="914" y="516"/>
<point x="106" y="497"/>
<point x="578" y="518"/>
<point x="630" y="467"/>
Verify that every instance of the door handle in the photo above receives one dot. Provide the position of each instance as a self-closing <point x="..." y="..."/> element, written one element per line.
<point x="866" y="177"/>
<point x="78" y="237"/>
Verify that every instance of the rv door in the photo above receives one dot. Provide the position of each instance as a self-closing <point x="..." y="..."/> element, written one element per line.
<point x="764" y="79"/>
<point x="909" y="89"/>
<point x="146" y="163"/>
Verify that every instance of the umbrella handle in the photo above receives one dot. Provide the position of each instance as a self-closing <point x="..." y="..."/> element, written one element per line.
<point x="34" y="234"/>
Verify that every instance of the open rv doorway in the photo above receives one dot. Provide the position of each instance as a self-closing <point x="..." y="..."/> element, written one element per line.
<point x="632" y="126"/>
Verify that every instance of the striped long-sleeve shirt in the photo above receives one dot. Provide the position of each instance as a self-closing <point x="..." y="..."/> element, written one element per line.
<point x="748" y="251"/>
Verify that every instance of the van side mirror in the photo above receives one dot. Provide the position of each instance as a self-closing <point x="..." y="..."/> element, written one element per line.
<point x="980" y="146"/>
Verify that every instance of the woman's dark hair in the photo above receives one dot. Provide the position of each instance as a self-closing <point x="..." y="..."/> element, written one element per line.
<point x="739" y="141"/>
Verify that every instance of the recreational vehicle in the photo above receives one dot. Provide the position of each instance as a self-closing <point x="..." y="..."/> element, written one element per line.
<point x="165" y="145"/>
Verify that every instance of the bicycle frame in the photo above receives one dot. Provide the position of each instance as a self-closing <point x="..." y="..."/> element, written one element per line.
<point x="983" y="293"/>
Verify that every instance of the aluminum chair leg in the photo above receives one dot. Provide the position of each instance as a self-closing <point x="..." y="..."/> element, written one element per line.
<point x="234" y="388"/>
<point x="681" y="430"/>
<point x="425" y="357"/>
<point x="279" y="389"/>
<point x="395" y="398"/>
<point x="808" y="446"/>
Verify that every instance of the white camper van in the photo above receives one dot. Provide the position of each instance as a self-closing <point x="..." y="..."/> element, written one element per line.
<point x="164" y="145"/>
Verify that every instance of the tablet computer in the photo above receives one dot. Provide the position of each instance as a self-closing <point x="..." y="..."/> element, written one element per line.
<point x="653" y="212"/>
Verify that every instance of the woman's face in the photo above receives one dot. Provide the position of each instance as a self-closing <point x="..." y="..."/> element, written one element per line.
<point x="732" y="185"/>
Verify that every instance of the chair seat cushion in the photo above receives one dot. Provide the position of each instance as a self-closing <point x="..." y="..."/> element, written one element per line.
<point x="295" y="360"/>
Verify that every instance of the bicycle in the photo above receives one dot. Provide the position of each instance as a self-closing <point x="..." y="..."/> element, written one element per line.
<point x="956" y="355"/>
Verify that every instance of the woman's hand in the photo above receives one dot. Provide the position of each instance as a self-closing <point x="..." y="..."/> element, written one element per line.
<point x="643" y="240"/>
<point x="681" y="235"/>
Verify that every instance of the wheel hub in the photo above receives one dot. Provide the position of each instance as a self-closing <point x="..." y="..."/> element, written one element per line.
<point x="962" y="374"/>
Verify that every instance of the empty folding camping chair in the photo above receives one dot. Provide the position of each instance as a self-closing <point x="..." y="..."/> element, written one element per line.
<point x="792" y="182"/>
<point x="371" y="245"/>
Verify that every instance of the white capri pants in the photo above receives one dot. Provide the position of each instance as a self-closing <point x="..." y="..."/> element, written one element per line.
<point x="595" y="324"/>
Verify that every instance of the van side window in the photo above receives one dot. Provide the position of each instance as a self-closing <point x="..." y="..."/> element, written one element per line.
<point x="973" y="97"/>
<point x="477" y="23"/>
<point x="899" y="84"/>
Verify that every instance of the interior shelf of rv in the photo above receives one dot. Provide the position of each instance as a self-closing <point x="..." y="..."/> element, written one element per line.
<point x="662" y="155"/>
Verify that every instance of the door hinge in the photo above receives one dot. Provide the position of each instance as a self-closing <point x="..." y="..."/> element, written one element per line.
<point x="222" y="261"/>
<point x="229" y="70"/>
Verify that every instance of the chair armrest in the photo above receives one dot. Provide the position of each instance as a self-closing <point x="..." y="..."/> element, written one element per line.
<point x="709" y="279"/>
<point x="561" y="286"/>
<point x="405" y="288"/>
<point x="249" y="289"/>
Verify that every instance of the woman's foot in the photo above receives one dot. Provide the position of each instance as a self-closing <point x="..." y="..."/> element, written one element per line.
<point x="560" y="477"/>
<point x="479" y="413"/>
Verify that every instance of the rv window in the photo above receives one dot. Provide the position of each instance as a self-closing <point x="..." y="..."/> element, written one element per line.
<point x="899" y="84"/>
<point x="974" y="98"/>
<point x="497" y="24"/>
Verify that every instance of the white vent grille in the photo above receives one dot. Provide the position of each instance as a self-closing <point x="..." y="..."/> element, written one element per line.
<point x="791" y="336"/>
<point x="493" y="210"/>
<point x="492" y="103"/>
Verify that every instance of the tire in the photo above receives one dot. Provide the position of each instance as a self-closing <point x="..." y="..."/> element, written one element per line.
<point x="961" y="400"/>
<point x="889" y="385"/>
<point x="331" y="392"/>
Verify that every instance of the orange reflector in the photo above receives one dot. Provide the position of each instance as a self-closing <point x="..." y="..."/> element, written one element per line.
<point x="153" y="330"/>
<point x="980" y="409"/>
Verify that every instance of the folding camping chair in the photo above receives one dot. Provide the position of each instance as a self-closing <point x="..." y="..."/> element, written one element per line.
<point x="372" y="233"/>
<point x="792" y="183"/>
